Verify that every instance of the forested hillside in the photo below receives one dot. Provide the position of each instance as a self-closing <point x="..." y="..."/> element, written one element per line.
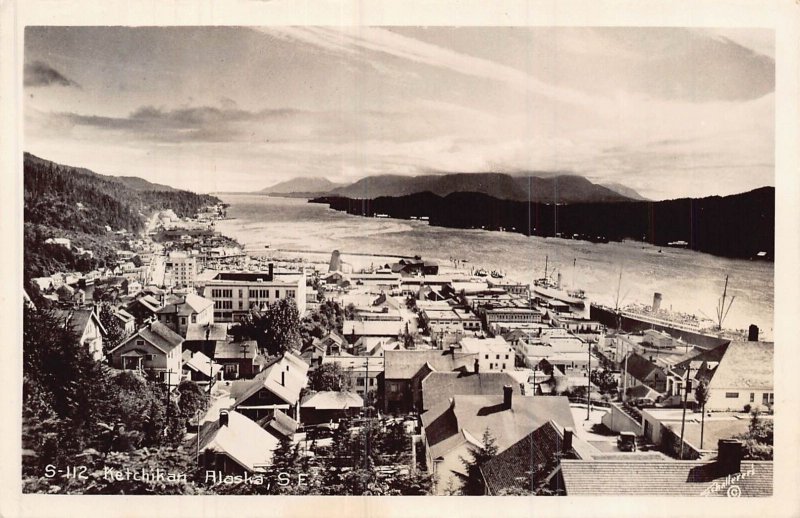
<point x="64" y="201"/>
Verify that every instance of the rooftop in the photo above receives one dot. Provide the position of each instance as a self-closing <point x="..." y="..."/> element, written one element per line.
<point x="216" y="332"/>
<point x="439" y="387"/>
<point x="452" y="423"/>
<point x="405" y="364"/>
<point x="664" y="478"/>
<point x="332" y="400"/>
<point x="242" y="439"/>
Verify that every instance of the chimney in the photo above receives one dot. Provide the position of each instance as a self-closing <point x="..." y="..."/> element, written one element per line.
<point x="508" y="394"/>
<point x="477" y="366"/>
<point x="752" y="335"/>
<point x="656" y="301"/>
<point x="270" y="271"/>
<point x="729" y="456"/>
<point x="223" y="418"/>
<point x="566" y="443"/>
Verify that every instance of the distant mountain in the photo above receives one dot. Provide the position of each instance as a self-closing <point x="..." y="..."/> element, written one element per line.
<point x="303" y="184"/>
<point x="566" y="189"/>
<point x="625" y="191"/>
<point x="555" y="189"/>
<point x="741" y="225"/>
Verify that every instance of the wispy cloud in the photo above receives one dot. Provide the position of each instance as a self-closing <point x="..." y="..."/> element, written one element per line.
<point x="357" y="42"/>
<point x="40" y="73"/>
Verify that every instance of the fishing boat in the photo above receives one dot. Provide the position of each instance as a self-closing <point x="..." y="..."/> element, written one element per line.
<point x="549" y="289"/>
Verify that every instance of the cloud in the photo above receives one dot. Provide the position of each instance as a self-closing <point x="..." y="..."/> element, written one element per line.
<point x="39" y="73"/>
<point x="356" y="42"/>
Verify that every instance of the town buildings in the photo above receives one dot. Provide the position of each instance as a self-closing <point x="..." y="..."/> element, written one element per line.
<point x="235" y="293"/>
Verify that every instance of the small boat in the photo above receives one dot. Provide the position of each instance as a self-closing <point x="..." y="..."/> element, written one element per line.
<point x="481" y="273"/>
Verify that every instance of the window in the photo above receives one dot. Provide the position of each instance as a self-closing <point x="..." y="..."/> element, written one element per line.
<point x="241" y="293"/>
<point x="487" y="356"/>
<point x="139" y="342"/>
<point x="768" y="398"/>
<point x="183" y="321"/>
<point x="491" y="366"/>
<point x="504" y="366"/>
<point x="732" y="395"/>
<point x="498" y="357"/>
<point x="393" y="387"/>
<point x="277" y="294"/>
<point x="752" y="397"/>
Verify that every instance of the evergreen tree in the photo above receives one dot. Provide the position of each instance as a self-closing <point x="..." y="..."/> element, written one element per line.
<point x="115" y="333"/>
<point x="472" y="482"/>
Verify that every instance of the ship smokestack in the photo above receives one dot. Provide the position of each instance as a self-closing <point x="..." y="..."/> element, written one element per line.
<point x="752" y="335"/>
<point x="558" y="281"/>
<point x="656" y="301"/>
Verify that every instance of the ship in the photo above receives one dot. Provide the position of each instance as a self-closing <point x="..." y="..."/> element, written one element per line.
<point x="545" y="287"/>
<point x="699" y="331"/>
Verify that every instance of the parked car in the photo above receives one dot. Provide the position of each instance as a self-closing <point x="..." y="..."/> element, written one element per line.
<point x="626" y="441"/>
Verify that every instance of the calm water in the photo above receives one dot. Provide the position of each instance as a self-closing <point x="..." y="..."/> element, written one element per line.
<point x="689" y="281"/>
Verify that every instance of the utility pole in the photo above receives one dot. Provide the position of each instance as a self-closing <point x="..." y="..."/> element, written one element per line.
<point x="686" y="388"/>
<point x="166" y="421"/>
<point x="589" y="384"/>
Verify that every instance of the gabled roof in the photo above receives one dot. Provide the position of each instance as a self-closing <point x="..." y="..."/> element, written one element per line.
<point x="519" y="465"/>
<point x="332" y="400"/>
<point x="438" y="387"/>
<point x="445" y="424"/>
<point x="157" y="334"/>
<point x="663" y="478"/>
<point x="639" y="367"/>
<point x="247" y="349"/>
<point x="279" y="424"/>
<point x="78" y="319"/>
<point x="187" y="305"/>
<point x="216" y="332"/>
<point x="123" y="315"/>
<point x="283" y="378"/>
<point x="201" y="363"/>
<point x="746" y="365"/>
<point x="241" y="439"/>
<point x="405" y="364"/>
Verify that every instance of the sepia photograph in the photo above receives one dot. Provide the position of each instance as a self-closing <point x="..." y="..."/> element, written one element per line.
<point x="398" y="260"/>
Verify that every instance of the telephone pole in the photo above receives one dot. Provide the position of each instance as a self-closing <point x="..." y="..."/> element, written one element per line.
<point x="589" y="384"/>
<point x="686" y="388"/>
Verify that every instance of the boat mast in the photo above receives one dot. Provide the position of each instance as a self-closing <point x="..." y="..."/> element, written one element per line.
<point x="616" y="304"/>
<point x="722" y="311"/>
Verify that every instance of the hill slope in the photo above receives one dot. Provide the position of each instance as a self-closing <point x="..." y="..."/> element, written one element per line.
<point x="64" y="201"/>
<point x="624" y="190"/>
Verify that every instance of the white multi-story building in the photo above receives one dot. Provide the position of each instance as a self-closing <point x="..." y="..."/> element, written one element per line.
<point x="235" y="293"/>
<point x="494" y="354"/>
<point x="183" y="267"/>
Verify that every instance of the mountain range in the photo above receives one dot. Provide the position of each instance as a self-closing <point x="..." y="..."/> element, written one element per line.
<point x="739" y="225"/>
<point x="544" y="188"/>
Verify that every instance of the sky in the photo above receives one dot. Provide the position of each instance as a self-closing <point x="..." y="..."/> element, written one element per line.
<point x="669" y="112"/>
